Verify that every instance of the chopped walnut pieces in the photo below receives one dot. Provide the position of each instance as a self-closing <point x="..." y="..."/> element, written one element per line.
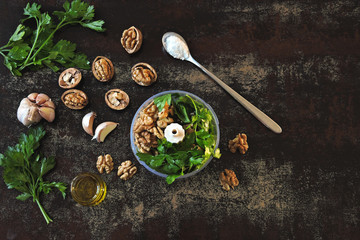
<point x="105" y="162"/>
<point x="228" y="179"/>
<point x="126" y="170"/>
<point x="149" y="126"/>
<point x="145" y="141"/>
<point x="240" y="142"/>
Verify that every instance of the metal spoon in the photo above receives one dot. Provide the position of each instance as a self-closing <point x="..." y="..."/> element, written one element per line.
<point x="181" y="51"/>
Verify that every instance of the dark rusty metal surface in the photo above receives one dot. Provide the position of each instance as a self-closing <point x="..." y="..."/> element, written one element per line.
<point x="297" y="61"/>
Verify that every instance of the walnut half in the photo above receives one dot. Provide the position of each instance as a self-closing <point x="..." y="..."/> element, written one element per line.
<point x="239" y="142"/>
<point x="105" y="162"/>
<point x="131" y="39"/>
<point x="74" y="99"/>
<point x="143" y="74"/>
<point x="103" y="69"/>
<point x="228" y="179"/>
<point x="69" y="78"/>
<point x="117" y="99"/>
<point x="126" y="170"/>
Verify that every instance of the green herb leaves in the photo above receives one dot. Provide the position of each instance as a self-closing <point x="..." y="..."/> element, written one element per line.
<point x="162" y="100"/>
<point x="24" y="169"/>
<point x="35" y="48"/>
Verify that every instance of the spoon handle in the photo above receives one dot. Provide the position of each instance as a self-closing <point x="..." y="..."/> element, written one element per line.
<point x="262" y="117"/>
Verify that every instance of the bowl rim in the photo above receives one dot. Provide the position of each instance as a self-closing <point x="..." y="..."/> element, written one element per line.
<point x="147" y="102"/>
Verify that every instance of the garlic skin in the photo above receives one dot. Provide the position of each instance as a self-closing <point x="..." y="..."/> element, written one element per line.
<point x="35" y="107"/>
<point x="27" y="113"/>
<point x="174" y="133"/>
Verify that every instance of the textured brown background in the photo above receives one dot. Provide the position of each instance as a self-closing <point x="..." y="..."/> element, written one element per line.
<point x="297" y="61"/>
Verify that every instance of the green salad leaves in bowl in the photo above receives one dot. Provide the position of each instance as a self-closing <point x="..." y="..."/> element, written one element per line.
<point x="175" y="134"/>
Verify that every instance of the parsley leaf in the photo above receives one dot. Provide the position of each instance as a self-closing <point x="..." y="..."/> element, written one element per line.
<point x="162" y="100"/>
<point x="34" y="48"/>
<point x="24" y="168"/>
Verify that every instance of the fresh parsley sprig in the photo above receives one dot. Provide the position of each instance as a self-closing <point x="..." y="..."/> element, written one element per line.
<point x="24" y="169"/>
<point x="35" y="48"/>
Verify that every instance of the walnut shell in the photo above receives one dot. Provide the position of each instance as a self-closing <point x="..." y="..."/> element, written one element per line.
<point x="103" y="69"/>
<point x="74" y="99"/>
<point x="143" y="74"/>
<point x="117" y="99"/>
<point x="69" y="78"/>
<point x="131" y="39"/>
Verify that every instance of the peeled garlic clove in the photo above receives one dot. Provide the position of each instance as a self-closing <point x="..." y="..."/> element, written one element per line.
<point x="49" y="104"/>
<point x="34" y="115"/>
<point x="174" y="133"/>
<point x="32" y="96"/>
<point x="87" y="123"/>
<point x="103" y="130"/>
<point x="41" y="98"/>
<point x="47" y="113"/>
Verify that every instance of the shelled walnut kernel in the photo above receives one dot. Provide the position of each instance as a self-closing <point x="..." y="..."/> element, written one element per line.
<point x="126" y="170"/>
<point x="105" y="162"/>
<point x="148" y="127"/>
<point x="228" y="179"/>
<point x="239" y="142"/>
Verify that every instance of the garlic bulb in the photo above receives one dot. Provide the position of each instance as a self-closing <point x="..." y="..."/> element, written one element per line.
<point x="174" y="133"/>
<point x="35" y="107"/>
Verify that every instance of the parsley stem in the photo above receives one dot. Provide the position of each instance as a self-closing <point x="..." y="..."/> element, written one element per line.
<point x="34" y="44"/>
<point x="2" y="54"/>
<point x="5" y="46"/>
<point x="46" y="216"/>
<point x="45" y="42"/>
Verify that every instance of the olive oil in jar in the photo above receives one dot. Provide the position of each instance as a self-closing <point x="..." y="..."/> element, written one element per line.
<point x="88" y="189"/>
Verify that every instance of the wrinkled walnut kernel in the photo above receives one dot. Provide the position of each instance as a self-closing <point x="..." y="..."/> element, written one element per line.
<point x="240" y="142"/>
<point x="228" y="179"/>
<point x="126" y="170"/>
<point x="143" y="74"/>
<point x="105" y="162"/>
<point x="131" y="39"/>
<point x="103" y="69"/>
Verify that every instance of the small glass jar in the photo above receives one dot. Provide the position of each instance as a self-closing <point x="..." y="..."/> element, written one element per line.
<point x="88" y="189"/>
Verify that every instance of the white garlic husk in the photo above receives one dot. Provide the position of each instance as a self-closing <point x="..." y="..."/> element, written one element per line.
<point x="174" y="133"/>
<point x="28" y="113"/>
